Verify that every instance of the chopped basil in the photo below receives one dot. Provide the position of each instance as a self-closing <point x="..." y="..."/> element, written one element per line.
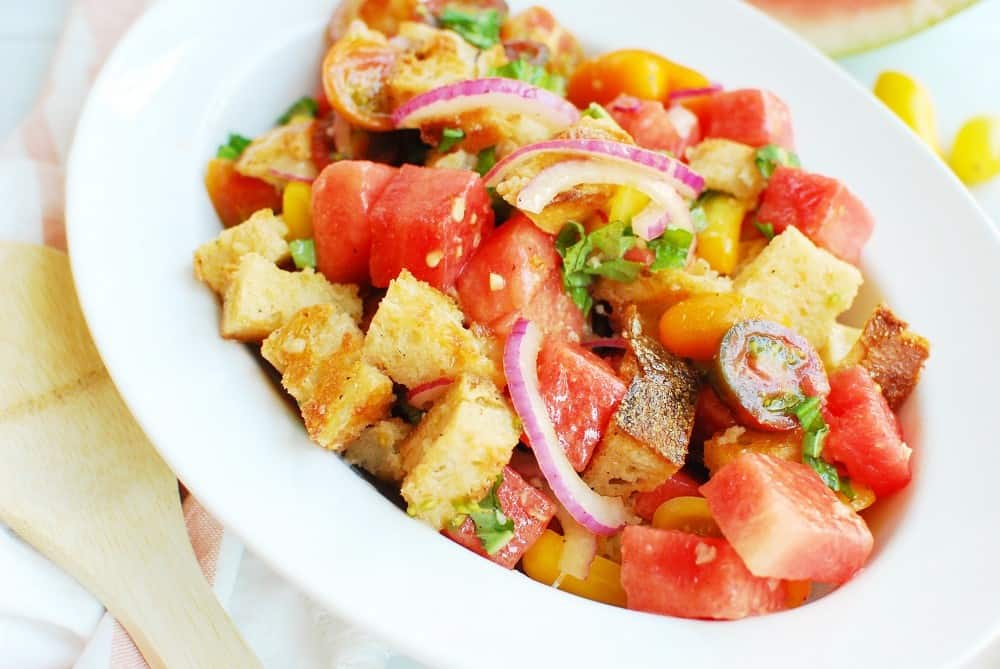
<point x="303" y="253"/>
<point x="766" y="229"/>
<point x="528" y="72"/>
<point x="449" y="138"/>
<point x="772" y="155"/>
<point x="486" y="159"/>
<point x="304" y="106"/>
<point x="617" y="269"/>
<point x="595" y="110"/>
<point x="601" y="253"/>
<point x="826" y="471"/>
<point x="480" y="29"/>
<point x="671" y="249"/>
<point x="233" y="148"/>
<point x="815" y="430"/>
<point x="493" y="527"/>
<point x="613" y="239"/>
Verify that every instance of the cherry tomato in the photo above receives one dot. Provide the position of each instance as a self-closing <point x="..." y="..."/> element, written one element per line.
<point x="975" y="156"/>
<point x="687" y="514"/>
<point x="693" y="328"/>
<point x="235" y="196"/>
<point x="763" y="369"/>
<point x="911" y="102"/>
<point x="641" y="74"/>
<point x="355" y="71"/>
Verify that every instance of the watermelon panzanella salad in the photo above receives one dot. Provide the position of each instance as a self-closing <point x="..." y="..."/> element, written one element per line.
<point x="580" y="315"/>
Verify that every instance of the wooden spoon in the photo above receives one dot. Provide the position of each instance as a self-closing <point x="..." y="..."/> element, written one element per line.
<point x="81" y="483"/>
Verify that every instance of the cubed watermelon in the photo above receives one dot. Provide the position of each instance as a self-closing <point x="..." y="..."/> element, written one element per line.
<point x="680" y="484"/>
<point x="648" y="123"/>
<point x="686" y="575"/>
<point x="428" y="220"/>
<point x="529" y="508"/>
<point x="784" y="522"/>
<point x="749" y="116"/>
<point x="820" y="207"/>
<point x="581" y="392"/>
<point x="864" y="433"/>
<point x="551" y="309"/>
<point x="711" y="415"/>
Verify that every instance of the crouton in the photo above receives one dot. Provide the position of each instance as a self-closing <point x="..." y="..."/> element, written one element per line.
<point x="284" y="150"/>
<point x="318" y="353"/>
<point x="655" y="292"/>
<point x="417" y="336"/>
<point x="457" y="451"/>
<point x="730" y="167"/>
<point x="726" y="446"/>
<point x="749" y="249"/>
<point x="263" y="234"/>
<point x="892" y="354"/>
<point x="261" y="298"/>
<point x="433" y="58"/>
<point x="838" y="344"/>
<point x="377" y="449"/>
<point x="805" y="283"/>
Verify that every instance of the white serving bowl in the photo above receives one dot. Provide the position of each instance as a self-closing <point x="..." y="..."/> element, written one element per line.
<point x="190" y="71"/>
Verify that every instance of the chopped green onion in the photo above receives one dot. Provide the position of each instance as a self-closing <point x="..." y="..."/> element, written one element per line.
<point x="449" y="138"/>
<point x="234" y="147"/>
<point x="303" y="253"/>
<point x="528" y="72"/>
<point x="480" y="29"/>
<point x="671" y="249"/>
<point x="304" y="106"/>
<point x="766" y="229"/>
<point x="486" y="159"/>
<point x="772" y="155"/>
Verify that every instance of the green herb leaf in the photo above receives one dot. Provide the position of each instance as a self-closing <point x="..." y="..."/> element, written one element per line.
<point x="486" y="159"/>
<point x="772" y="155"/>
<point x="671" y="249"/>
<point x="846" y="489"/>
<point x="304" y="106"/>
<point x="808" y="412"/>
<point x="494" y="529"/>
<point x="595" y="110"/>
<point x="826" y="471"/>
<point x="449" y="138"/>
<point x="613" y="239"/>
<point x="303" y="253"/>
<point x="480" y="29"/>
<point x="766" y="229"/>
<point x="617" y="269"/>
<point x="234" y="147"/>
<point x="528" y="72"/>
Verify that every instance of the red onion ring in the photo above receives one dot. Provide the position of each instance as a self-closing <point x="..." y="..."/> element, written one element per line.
<point x="424" y="395"/>
<point x="682" y="93"/>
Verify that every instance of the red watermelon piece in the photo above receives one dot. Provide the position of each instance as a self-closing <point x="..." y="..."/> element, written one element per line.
<point x="784" y="522"/>
<point x="820" y="207"/>
<point x="529" y="508"/>
<point x="680" y="484"/>
<point x="648" y="123"/>
<point x="749" y="116"/>
<point x="864" y="432"/>
<point x="686" y="575"/>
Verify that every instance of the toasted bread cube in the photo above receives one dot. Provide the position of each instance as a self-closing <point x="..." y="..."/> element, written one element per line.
<point x="318" y="353"/>
<point x="457" y="451"/>
<point x="726" y="446"/>
<point x="417" y="336"/>
<point x="655" y="293"/>
<point x="730" y="167"/>
<point x="623" y="465"/>
<point x="377" y="449"/>
<point x="436" y="57"/>
<point x="892" y="354"/>
<point x="838" y="344"/>
<point x="263" y="234"/>
<point x="286" y="149"/>
<point x="261" y="298"/>
<point x="803" y="282"/>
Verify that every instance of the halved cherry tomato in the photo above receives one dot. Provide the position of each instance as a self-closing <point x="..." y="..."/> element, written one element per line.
<point x="536" y="24"/>
<point x="694" y="327"/>
<point x="763" y="369"/>
<point x="641" y="74"/>
<point x="235" y="196"/>
<point x="797" y="592"/>
<point x="687" y="514"/>
<point x="355" y="71"/>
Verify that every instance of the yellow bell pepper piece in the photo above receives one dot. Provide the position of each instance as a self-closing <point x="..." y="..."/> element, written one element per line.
<point x="975" y="157"/>
<point x="626" y="203"/>
<point x="687" y="514"/>
<point x="911" y="102"/>
<point x="719" y="242"/>
<point x="296" y="209"/>
<point x="603" y="584"/>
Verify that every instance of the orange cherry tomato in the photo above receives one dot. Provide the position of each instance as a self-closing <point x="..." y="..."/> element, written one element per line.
<point x="236" y="196"/>
<point x="695" y="327"/>
<point x="355" y="71"/>
<point x="798" y="593"/>
<point x="641" y="74"/>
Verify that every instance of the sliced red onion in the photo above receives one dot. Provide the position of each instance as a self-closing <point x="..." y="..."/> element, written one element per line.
<point x="688" y="182"/>
<point x="682" y="93"/>
<point x="625" y="103"/>
<point x="605" y="342"/>
<point x="424" y="395"/>
<point x="284" y="174"/>
<point x="599" y="514"/>
<point x="494" y="93"/>
<point x="579" y="547"/>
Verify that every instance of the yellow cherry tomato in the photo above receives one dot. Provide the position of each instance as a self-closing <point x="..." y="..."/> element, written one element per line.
<point x="641" y="74"/>
<point x="626" y="203"/>
<point x="686" y="514"/>
<point x="603" y="584"/>
<point x="797" y="592"/>
<point x="911" y="102"/>
<point x="719" y="242"/>
<point x="694" y="327"/>
<point x="863" y="498"/>
<point x="975" y="157"/>
<point x="296" y="209"/>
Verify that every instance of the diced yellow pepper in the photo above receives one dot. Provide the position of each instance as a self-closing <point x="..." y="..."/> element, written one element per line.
<point x="719" y="242"/>
<point x="296" y="209"/>
<point x="603" y="584"/>
<point x="687" y="514"/>
<point x="911" y="102"/>
<point x="975" y="157"/>
<point x="626" y="203"/>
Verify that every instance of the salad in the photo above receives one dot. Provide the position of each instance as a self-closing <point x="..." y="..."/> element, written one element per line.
<point x="579" y="315"/>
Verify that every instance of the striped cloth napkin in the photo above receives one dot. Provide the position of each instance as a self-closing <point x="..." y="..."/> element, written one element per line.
<point x="46" y="619"/>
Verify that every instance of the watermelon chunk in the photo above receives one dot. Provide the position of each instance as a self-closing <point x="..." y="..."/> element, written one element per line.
<point x="648" y="123"/>
<point x="820" y="207"/>
<point x="749" y="116"/>
<point x="864" y="433"/>
<point x="529" y="508"/>
<point x="784" y="522"/>
<point x="680" y="484"/>
<point x="581" y="392"/>
<point x="686" y="575"/>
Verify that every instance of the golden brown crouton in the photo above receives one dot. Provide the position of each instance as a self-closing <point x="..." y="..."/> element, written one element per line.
<point x="263" y="234"/>
<point x="377" y="449"/>
<point x="432" y="58"/>
<point x="282" y="151"/>
<point x="261" y="298"/>
<point x="417" y="336"/>
<point x="730" y="167"/>
<point x="457" y="451"/>
<point x="318" y="353"/>
<point x="726" y="446"/>
<point x="891" y="353"/>
<point x="654" y="293"/>
<point x="801" y="281"/>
